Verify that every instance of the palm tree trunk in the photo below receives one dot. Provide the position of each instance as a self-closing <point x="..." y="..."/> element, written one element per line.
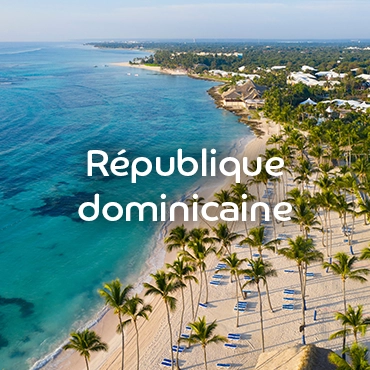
<point x="345" y="309"/>
<point x="246" y="233"/>
<point x="205" y="357"/>
<point x="237" y="303"/>
<point x="170" y="329"/>
<point x="181" y="323"/>
<point x="200" y="293"/>
<point x="87" y="363"/>
<point x="206" y="283"/>
<point x="192" y="300"/>
<point x="300" y="271"/>
<point x="122" y="342"/>
<point x="261" y="318"/>
<point x="331" y="234"/>
<point x="137" y="347"/>
<point x="268" y="296"/>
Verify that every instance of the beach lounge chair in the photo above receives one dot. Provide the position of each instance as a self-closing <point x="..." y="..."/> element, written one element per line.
<point x="345" y="240"/>
<point x="239" y="246"/>
<point x="310" y="274"/>
<point x="289" y="291"/>
<point x="233" y="336"/>
<point x="351" y="250"/>
<point x="223" y="365"/>
<point x="241" y="305"/>
<point x="187" y="327"/>
<point x="179" y="349"/>
<point x="230" y="345"/>
<point x="220" y="266"/>
<point x="288" y="298"/>
<point x="167" y="362"/>
<point x="256" y="255"/>
<point x="215" y="282"/>
<point x="217" y="276"/>
<point x="185" y="336"/>
<point x="288" y="307"/>
<point x="288" y="271"/>
<point x="204" y="305"/>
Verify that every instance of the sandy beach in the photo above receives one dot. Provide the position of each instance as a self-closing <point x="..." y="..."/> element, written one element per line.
<point x="174" y="72"/>
<point x="281" y="327"/>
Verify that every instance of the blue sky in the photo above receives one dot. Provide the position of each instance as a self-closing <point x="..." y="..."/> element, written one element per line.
<point x="41" y="20"/>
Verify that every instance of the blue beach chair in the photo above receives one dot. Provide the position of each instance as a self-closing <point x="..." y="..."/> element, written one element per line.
<point x="230" y="345"/>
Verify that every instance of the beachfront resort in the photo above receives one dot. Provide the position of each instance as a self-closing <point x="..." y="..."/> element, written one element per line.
<point x="261" y="294"/>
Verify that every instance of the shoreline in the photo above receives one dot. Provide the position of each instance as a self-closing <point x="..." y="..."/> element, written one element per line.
<point x="157" y="259"/>
<point x="173" y="72"/>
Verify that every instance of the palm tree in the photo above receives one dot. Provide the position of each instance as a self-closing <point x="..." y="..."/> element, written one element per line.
<point x="239" y="191"/>
<point x="225" y="237"/>
<point x="233" y="264"/>
<point x="178" y="238"/>
<point x="203" y="334"/>
<point x="116" y="297"/>
<point x="344" y="268"/>
<point x="200" y="247"/>
<point x="259" y="272"/>
<point x="303" y="215"/>
<point x="135" y="308"/>
<point x="358" y="355"/>
<point x="85" y="342"/>
<point x="182" y="271"/>
<point x="256" y="239"/>
<point x="163" y="287"/>
<point x="354" y="319"/>
<point x="303" y="252"/>
<point x="364" y="205"/>
<point x="365" y="254"/>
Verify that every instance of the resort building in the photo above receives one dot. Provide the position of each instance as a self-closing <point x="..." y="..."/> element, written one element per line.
<point x="248" y="95"/>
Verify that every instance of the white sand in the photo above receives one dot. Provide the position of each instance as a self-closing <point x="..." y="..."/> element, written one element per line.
<point x="175" y="72"/>
<point x="281" y="327"/>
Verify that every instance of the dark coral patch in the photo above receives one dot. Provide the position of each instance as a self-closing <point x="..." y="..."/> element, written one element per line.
<point x="63" y="205"/>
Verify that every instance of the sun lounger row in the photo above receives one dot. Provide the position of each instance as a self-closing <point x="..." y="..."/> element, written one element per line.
<point x="167" y="362"/>
<point x="179" y="349"/>
<point x="241" y="305"/>
<point x="230" y="345"/>
<point x="233" y="336"/>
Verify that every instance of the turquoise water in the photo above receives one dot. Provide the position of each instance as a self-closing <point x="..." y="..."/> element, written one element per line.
<point x="54" y="106"/>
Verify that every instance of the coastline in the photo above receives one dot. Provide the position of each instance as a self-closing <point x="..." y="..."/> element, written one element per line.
<point x="105" y="325"/>
<point x="173" y="72"/>
<point x="104" y="322"/>
<point x="282" y="327"/>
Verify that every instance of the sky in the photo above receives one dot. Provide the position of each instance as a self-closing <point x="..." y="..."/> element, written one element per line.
<point x="63" y="20"/>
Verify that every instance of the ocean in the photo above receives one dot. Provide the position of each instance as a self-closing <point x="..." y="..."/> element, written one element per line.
<point x="57" y="101"/>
